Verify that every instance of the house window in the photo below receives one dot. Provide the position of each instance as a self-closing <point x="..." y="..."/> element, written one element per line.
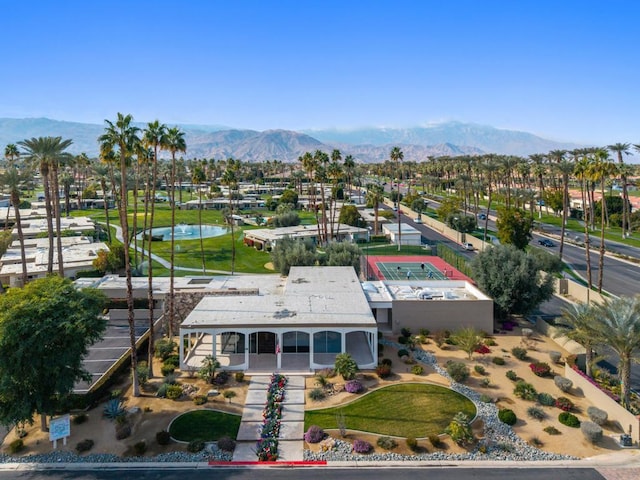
<point x="232" y="342"/>
<point x="295" y="342"/>
<point x="327" y="342"/>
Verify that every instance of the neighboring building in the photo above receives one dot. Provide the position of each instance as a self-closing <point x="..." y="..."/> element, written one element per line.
<point x="431" y="304"/>
<point x="267" y="238"/>
<point x="221" y="202"/>
<point x="410" y="236"/>
<point x="33" y="227"/>
<point x="78" y="254"/>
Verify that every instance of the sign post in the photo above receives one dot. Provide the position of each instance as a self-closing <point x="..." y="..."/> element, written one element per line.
<point x="59" y="428"/>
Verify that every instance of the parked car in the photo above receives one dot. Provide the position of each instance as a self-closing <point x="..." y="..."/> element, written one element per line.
<point x="545" y="242"/>
<point x="417" y="220"/>
<point x="482" y="216"/>
<point x="468" y="246"/>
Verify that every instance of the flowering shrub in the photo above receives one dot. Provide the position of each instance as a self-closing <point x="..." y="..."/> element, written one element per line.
<point x="483" y="350"/>
<point x="267" y="450"/>
<point x="314" y="435"/>
<point x="383" y="371"/>
<point x="540" y="369"/>
<point x="563" y="403"/>
<point x="362" y="446"/>
<point x="267" y="446"/>
<point x="353" y="386"/>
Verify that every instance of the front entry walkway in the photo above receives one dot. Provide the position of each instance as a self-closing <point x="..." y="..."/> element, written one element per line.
<point x="290" y="441"/>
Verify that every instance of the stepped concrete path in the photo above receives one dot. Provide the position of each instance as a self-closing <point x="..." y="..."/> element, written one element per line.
<point x="290" y="440"/>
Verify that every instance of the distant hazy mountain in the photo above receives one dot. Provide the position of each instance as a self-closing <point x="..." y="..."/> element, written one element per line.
<point x="366" y="145"/>
<point x="482" y="137"/>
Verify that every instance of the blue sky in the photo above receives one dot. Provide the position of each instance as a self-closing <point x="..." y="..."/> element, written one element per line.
<point x="566" y="70"/>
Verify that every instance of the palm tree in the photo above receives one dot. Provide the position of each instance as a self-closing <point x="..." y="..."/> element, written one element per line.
<point x="155" y="137"/>
<point x="122" y="137"/>
<point x="175" y="144"/>
<point x="618" y="324"/>
<point x="46" y="153"/>
<point x="582" y="174"/>
<point x="11" y="154"/>
<point x="334" y="172"/>
<point x="197" y="178"/>
<point x="230" y="179"/>
<point x="375" y="195"/>
<point x="490" y="167"/>
<point x="321" y="160"/>
<point x="600" y="170"/>
<point x="619" y="149"/>
<point x="582" y="329"/>
<point x="349" y="166"/>
<point x="12" y="178"/>
<point x="397" y="156"/>
<point x="565" y="167"/>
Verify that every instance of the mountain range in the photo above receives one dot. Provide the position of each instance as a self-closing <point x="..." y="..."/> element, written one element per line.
<point x="365" y="144"/>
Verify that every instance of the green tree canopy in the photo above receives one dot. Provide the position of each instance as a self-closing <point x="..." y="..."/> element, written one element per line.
<point x="512" y="278"/>
<point x="349" y="215"/>
<point x="449" y="208"/>
<point x="514" y="227"/>
<point x="45" y="329"/>
<point x="289" y="196"/>
<point x="343" y="254"/>
<point x="290" y="252"/>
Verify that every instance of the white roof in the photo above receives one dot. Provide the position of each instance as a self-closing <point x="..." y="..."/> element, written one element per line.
<point x="308" y="297"/>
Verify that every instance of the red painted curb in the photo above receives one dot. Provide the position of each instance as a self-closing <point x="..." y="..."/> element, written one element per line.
<point x="300" y="463"/>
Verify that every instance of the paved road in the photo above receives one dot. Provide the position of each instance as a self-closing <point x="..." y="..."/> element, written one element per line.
<point x="319" y="473"/>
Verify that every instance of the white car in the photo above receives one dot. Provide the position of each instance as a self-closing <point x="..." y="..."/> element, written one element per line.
<point x="417" y="220"/>
<point x="468" y="246"/>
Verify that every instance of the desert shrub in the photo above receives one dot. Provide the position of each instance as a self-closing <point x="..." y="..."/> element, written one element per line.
<point x="439" y="338"/>
<point x="555" y="356"/>
<point x="387" y="443"/>
<point x="519" y="352"/>
<point x="490" y="342"/>
<point x="422" y="339"/>
<point x="563" y="383"/>
<point x="200" y="399"/>
<point x="403" y="353"/>
<point x="402" y="340"/>
<point x="167" y="369"/>
<point x="174" y="392"/>
<point x="123" y="431"/>
<point x="551" y="430"/>
<point x="411" y="443"/>
<point x="80" y="419"/>
<point x="386" y="361"/>
<point x="484" y="398"/>
<point x="569" y="419"/>
<point x="479" y="369"/>
<point x="239" y="376"/>
<point x="226" y="444"/>
<point x="507" y="416"/>
<point x="424" y="331"/>
<point x="511" y="375"/>
<point x="540" y="369"/>
<point x="536" y="442"/>
<point x="435" y="440"/>
<point x="221" y="378"/>
<point x="317" y="394"/>
<point x="229" y="394"/>
<point x="417" y="369"/>
<point x="406" y="332"/>
<point x="346" y="366"/>
<point x="162" y="390"/>
<point x="597" y="416"/>
<point x="140" y="447"/>
<point x="458" y="371"/>
<point x="536" y="413"/>
<point x="353" y="386"/>
<point x="485" y="382"/>
<point x="383" y="371"/>
<point x="16" y="446"/>
<point x="498" y="361"/>
<point x="164" y="348"/>
<point x="170" y="378"/>
<point x="113" y="409"/>
<point x="173" y="359"/>
<point x="564" y="404"/>
<point x="84" y="445"/>
<point x="460" y="429"/>
<point x="163" y="437"/>
<point x="546" y="400"/>
<point x="314" y="434"/>
<point x="195" y="446"/>
<point x="362" y="446"/>
<point x="525" y="390"/>
<point x="591" y="431"/>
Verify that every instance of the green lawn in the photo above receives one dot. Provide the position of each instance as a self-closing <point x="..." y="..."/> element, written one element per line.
<point x="403" y="410"/>
<point x="207" y="425"/>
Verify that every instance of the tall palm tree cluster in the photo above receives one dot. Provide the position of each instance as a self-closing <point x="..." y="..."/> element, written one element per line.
<point x="615" y="324"/>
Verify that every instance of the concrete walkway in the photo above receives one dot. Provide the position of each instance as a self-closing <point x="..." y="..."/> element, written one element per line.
<point x="290" y="443"/>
